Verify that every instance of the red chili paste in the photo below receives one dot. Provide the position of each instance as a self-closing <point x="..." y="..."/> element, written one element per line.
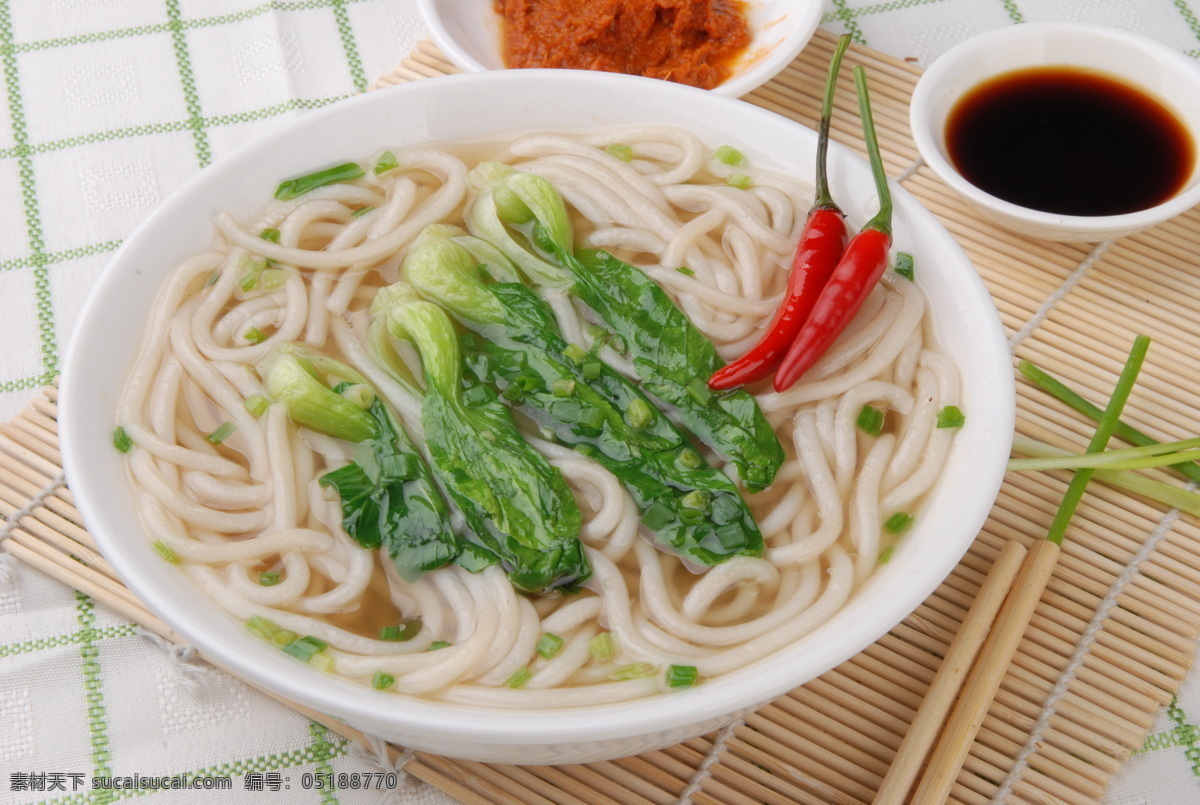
<point x="686" y="41"/>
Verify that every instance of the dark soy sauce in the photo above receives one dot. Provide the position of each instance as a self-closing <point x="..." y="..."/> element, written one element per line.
<point x="1069" y="141"/>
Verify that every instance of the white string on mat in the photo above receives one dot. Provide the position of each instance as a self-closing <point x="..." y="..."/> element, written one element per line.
<point x="8" y="562"/>
<point x="1062" y="290"/>
<point x="905" y="174"/>
<point x="1021" y="762"/>
<point x="377" y="754"/>
<point x="190" y="670"/>
<point x="703" y="771"/>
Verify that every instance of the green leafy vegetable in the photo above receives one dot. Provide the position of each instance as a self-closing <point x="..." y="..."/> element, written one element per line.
<point x="526" y="219"/>
<point x="389" y="498"/>
<point x="294" y="188"/>
<point x="517" y="506"/>
<point x="584" y="404"/>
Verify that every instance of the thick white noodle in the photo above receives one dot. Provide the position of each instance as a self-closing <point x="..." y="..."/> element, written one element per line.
<point x="254" y="503"/>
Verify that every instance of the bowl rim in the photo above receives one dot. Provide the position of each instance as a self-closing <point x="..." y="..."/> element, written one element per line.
<point x="758" y="73"/>
<point x="927" y="134"/>
<point x="722" y="696"/>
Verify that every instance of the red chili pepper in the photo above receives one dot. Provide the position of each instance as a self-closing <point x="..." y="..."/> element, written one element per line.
<point x="821" y="245"/>
<point x="860" y="268"/>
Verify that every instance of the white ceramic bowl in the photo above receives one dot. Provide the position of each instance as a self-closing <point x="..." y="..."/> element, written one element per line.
<point x="469" y="33"/>
<point x="481" y="106"/>
<point x="1160" y="70"/>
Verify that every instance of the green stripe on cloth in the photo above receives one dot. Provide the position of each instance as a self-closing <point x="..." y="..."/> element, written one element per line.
<point x="202" y="22"/>
<point x="845" y="14"/>
<point x="42" y="643"/>
<point x="846" y="17"/>
<point x="323" y="751"/>
<point x="93" y="687"/>
<point x="184" y="61"/>
<point x="357" y="74"/>
<point x="47" y="339"/>
<point x="1014" y="13"/>
<point x="1189" y="16"/>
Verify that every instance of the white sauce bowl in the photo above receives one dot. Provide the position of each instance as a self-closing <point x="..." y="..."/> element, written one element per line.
<point x="1164" y="73"/>
<point x="470" y="34"/>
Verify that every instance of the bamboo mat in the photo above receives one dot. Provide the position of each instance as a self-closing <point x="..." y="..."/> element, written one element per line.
<point x="1111" y="639"/>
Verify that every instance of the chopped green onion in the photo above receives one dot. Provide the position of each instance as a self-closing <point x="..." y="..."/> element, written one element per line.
<point x="254" y="335"/>
<point x="682" y="676"/>
<point x="386" y="162"/>
<point x="121" y="440"/>
<point x="269" y="578"/>
<point x="294" y="188"/>
<point x="548" y="646"/>
<point x="603" y="647"/>
<point x="739" y="180"/>
<point x="597" y="333"/>
<point x="262" y="627"/>
<point x="164" y="550"/>
<point x="438" y="644"/>
<point x="690" y="459"/>
<point x="591" y="419"/>
<point x="322" y="662"/>
<point x="618" y="344"/>
<point x="870" y="420"/>
<point x="898" y="523"/>
<point x="1104" y="429"/>
<point x="728" y="155"/>
<point x="406" y="630"/>
<point x="256" y="404"/>
<point x="639" y="670"/>
<point x="270" y="234"/>
<point x="519" y="678"/>
<point x="273" y="278"/>
<point x="575" y="353"/>
<point x="283" y="637"/>
<point x="640" y="414"/>
<point x="360" y="212"/>
<point x="685" y="271"/>
<point x="563" y="388"/>
<point x="212" y="279"/>
<point x="885" y="555"/>
<point x="222" y="433"/>
<point x="382" y="681"/>
<point x="950" y="417"/>
<point x="620" y="151"/>
<point x="657" y="516"/>
<point x="696" y="499"/>
<point x="305" y="647"/>
<point x="591" y="369"/>
<point x="249" y="281"/>
<point x="548" y="434"/>
<point x="905" y="266"/>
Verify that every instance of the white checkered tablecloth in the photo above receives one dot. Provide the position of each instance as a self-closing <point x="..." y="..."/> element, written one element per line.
<point x="107" y="106"/>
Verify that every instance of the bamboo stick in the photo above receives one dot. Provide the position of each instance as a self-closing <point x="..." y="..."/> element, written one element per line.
<point x="989" y="671"/>
<point x="932" y="713"/>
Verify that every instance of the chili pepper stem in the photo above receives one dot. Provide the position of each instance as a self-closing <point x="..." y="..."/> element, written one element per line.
<point x="824" y="198"/>
<point x="883" y="219"/>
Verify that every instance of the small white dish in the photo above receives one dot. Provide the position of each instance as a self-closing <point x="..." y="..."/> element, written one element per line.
<point x="1155" y="68"/>
<point x="470" y="34"/>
